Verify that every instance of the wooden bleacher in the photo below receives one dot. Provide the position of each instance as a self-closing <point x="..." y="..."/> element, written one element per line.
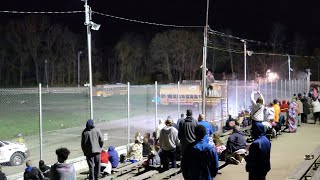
<point x="301" y="171"/>
<point x="165" y="174"/>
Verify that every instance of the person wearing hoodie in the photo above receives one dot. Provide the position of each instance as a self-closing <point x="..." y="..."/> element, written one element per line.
<point x="113" y="157"/>
<point x="200" y="160"/>
<point x="44" y="169"/>
<point x="32" y="173"/>
<point x="91" y="144"/>
<point x="208" y="127"/>
<point x="168" y="142"/>
<point x="62" y="170"/>
<point x="257" y="112"/>
<point x="236" y="146"/>
<point x="258" y="160"/>
<point x="186" y="130"/>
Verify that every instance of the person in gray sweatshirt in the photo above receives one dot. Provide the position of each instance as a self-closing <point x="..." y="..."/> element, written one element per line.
<point x="168" y="142"/>
<point x="186" y="133"/>
<point x="62" y="170"/>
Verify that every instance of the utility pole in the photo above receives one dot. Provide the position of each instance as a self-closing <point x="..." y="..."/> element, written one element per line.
<point x="289" y="73"/>
<point x="90" y="25"/>
<point x="46" y="69"/>
<point x="204" y="63"/>
<point x="308" y="81"/>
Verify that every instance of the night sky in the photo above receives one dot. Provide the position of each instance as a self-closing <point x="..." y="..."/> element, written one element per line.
<point x="251" y="19"/>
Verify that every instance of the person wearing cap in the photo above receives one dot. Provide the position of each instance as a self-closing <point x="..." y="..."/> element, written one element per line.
<point x="91" y="144"/>
<point x="168" y="142"/>
<point x="200" y="160"/>
<point x="2" y="175"/>
<point x="186" y="130"/>
<point x="257" y="112"/>
<point x="258" y="160"/>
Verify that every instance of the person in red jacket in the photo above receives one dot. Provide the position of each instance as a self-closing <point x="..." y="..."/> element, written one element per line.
<point x="105" y="164"/>
<point x="284" y="110"/>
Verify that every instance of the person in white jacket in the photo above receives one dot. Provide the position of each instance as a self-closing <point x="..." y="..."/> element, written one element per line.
<point x="257" y="111"/>
<point x="316" y="109"/>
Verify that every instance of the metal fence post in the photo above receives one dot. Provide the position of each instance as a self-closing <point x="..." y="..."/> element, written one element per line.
<point x="277" y="89"/>
<point x="271" y="91"/>
<point x="40" y="120"/>
<point x="285" y="89"/>
<point x="179" y="100"/>
<point x="156" y="96"/>
<point x="281" y="97"/>
<point x="128" y="113"/>
<point x="237" y="96"/>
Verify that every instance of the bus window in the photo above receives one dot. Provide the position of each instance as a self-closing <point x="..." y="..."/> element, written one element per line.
<point x="182" y="96"/>
<point x="175" y="96"/>
<point x="163" y="96"/>
<point x="191" y="96"/>
<point x="187" y="97"/>
<point x="170" y="96"/>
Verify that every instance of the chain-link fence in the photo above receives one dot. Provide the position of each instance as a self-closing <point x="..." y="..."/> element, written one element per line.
<point x="66" y="110"/>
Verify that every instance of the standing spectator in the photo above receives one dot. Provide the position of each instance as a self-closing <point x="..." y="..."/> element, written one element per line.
<point x="62" y="170"/>
<point x="158" y="130"/>
<point x="105" y="163"/>
<point x="179" y="120"/>
<point x="168" y="142"/>
<point x="292" y="117"/>
<point x="32" y="173"/>
<point x="258" y="160"/>
<point x="2" y="175"/>
<point x="200" y="160"/>
<point x="257" y="112"/>
<point x="113" y="157"/>
<point x="277" y="111"/>
<point x="316" y="109"/>
<point x="91" y="144"/>
<point x="44" y="169"/>
<point x="299" y="108"/>
<point x="186" y="130"/>
<point x="207" y="125"/>
<point x="284" y="109"/>
<point x="306" y="110"/>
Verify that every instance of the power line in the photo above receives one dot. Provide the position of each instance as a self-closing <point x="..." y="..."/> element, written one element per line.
<point x="41" y="12"/>
<point x="146" y="22"/>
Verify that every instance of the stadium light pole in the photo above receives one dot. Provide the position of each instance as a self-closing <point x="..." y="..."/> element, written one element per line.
<point x="204" y="63"/>
<point x="90" y="25"/>
<point x="245" y="72"/>
<point x="79" y="54"/>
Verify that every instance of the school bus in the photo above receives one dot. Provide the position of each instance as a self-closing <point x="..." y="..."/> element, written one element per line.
<point x="108" y="90"/>
<point x="189" y="94"/>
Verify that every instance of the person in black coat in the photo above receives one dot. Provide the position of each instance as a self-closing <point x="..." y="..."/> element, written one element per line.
<point x="32" y="173"/>
<point x="44" y="169"/>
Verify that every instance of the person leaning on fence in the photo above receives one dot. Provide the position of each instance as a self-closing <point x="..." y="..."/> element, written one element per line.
<point x="61" y="169"/>
<point x="257" y="112"/>
<point x="200" y="160"/>
<point x="91" y="144"/>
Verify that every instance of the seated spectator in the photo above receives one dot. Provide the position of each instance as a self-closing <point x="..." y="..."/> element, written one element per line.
<point x="2" y="175"/>
<point x="135" y="152"/>
<point x="236" y="147"/>
<point x="138" y="137"/>
<point x="148" y="136"/>
<point x="229" y="124"/>
<point x="61" y="169"/>
<point x="219" y="146"/>
<point x="44" y="169"/>
<point x="32" y="172"/>
<point x="113" y="157"/>
<point x="284" y="109"/>
<point x="146" y="147"/>
<point x="105" y="164"/>
<point x="153" y="159"/>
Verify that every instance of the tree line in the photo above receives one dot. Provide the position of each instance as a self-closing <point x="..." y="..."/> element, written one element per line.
<point x="35" y="50"/>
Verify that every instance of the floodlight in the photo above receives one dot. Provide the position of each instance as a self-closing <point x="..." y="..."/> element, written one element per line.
<point x="249" y="53"/>
<point x="95" y="26"/>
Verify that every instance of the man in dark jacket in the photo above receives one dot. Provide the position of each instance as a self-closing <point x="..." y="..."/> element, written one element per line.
<point x="44" y="169"/>
<point x="2" y="175"/>
<point x="186" y="130"/>
<point x="236" y="142"/>
<point x="91" y="144"/>
<point x="32" y="173"/>
<point x="200" y="160"/>
<point x="113" y="157"/>
<point x="258" y="160"/>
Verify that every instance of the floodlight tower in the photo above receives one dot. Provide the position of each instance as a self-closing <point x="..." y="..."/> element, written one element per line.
<point x="90" y="25"/>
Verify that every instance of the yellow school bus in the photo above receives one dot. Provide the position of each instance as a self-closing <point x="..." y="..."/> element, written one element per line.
<point x="189" y="94"/>
<point x="108" y="90"/>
